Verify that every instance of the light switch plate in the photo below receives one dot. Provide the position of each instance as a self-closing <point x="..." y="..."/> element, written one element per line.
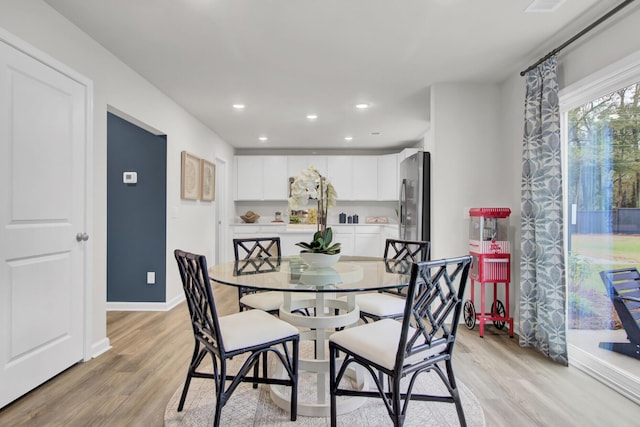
<point x="130" y="177"/>
<point x="151" y="277"/>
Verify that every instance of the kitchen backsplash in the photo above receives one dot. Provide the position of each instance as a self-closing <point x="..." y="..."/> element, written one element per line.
<point x="267" y="211"/>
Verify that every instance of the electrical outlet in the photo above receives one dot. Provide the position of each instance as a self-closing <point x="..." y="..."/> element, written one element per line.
<point x="151" y="277"/>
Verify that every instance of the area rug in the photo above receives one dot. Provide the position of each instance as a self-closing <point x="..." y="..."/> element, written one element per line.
<point x="254" y="407"/>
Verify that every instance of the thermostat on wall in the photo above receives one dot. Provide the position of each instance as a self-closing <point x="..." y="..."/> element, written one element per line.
<point x="130" y="177"/>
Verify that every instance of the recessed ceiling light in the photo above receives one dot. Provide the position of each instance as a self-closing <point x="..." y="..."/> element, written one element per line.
<point x="238" y="106"/>
<point x="263" y="138"/>
<point x="543" y="6"/>
<point x="362" y="106"/>
<point x="312" y="116"/>
<point x="348" y="138"/>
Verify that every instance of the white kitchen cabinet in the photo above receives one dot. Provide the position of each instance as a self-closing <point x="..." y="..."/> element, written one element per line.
<point x="388" y="182"/>
<point x="368" y="241"/>
<point x="275" y="178"/>
<point x="249" y="177"/>
<point x="261" y="178"/>
<point x="354" y="177"/>
<point x="365" y="178"/>
<point x="339" y="172"/>
<point x="296" y="164"/>
<point x="345" y="236"/>
<point x="390" y="231"/>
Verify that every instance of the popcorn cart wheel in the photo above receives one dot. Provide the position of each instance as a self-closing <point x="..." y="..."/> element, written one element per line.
<point x="469" y="314"/>
<point x="497" y="310"/>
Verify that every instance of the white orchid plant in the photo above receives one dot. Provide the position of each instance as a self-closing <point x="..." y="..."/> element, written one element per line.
<point x="310" y="184"/>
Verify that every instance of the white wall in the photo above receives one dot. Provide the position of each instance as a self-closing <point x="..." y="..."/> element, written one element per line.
<point x="190" y="224"/>
<point x="609" y="43"/>
<point x="469" y="165"/>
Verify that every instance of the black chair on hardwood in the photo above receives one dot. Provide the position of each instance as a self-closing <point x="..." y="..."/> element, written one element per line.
<point x="623" y="287"/>
<point x="252" y="332"/>
<point x="418" y="344"/>
<point x="390" y="304"/>
<point x="266" y="250"/>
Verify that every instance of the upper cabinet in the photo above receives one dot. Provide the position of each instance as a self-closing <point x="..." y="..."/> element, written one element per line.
<point x="362" y="178"/>
<point x="339" y="173"/>
<point x="297" y="164"/>
<point x="388" y="182"/>
<point x="354" y="177"/>
<point x="261" y="178"/>
<point x="365" y="178"/>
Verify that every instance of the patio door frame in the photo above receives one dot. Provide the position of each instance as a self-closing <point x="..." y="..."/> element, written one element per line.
<point x="615" y="76"/>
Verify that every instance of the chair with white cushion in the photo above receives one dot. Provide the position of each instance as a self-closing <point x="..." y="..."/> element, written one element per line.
<point x="390" y="304"/>
<point x="421" y="342"/>
<point x="226" y="337"/>
<point x="266" y="251"/>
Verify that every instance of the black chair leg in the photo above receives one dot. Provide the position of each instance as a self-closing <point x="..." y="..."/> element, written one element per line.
<point x="294" y="379"/>
<point x="333" y="386"/>
<point x="196" y="359"/>
<point x="256" y="370"/>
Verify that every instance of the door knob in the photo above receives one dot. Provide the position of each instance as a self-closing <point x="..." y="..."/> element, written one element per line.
<point x="82" y="237"/>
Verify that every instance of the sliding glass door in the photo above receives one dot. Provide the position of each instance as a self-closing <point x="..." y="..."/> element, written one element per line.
<point x="603" y="214"/>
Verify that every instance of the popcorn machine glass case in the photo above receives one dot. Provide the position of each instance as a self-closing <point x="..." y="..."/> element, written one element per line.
<point x="489" y="247"/>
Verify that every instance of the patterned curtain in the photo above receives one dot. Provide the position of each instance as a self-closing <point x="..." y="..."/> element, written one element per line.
<point x="542" y="266"/>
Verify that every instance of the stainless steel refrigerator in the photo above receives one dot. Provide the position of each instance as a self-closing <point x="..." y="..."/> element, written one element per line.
<point x="415" y="197"/>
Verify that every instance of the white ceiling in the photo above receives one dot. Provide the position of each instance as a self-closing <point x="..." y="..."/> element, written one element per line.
<point x="285" y="59"/>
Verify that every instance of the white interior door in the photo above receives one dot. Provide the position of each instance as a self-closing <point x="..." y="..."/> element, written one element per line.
<point x="222" y="237"/>
<point x="42" y="210"/>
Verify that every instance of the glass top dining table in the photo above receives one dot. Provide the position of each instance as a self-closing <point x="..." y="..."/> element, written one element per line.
<point x="290" y="274"/>
<point x="327" y="296"/>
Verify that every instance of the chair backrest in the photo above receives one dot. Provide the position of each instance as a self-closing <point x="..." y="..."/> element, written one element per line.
<point x="257" y="247"/>
<point x="256" y="266"/>
<point x="623" y="287"/>
<point x="197" y="290"/>
<point x="406" y="250"/>
<point x="399" y="255"/>
<point x="433" y="308"/>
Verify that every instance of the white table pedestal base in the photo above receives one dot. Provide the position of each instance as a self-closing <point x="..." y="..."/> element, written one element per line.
<point x="317" y="328"/>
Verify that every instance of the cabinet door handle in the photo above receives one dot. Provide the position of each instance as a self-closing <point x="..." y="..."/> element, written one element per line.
<point x="82" y="237"/>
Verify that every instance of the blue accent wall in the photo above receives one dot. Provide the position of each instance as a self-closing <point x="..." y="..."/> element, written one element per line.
<point x="136" y="213"/>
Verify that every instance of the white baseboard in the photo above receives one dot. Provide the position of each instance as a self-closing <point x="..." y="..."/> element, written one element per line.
<point x="100" y="347"/>
<point x="620" y="381"/>
<point x="144" y="306"/>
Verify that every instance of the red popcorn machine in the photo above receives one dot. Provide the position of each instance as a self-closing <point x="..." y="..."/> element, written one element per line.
<point x="489" y="248"/>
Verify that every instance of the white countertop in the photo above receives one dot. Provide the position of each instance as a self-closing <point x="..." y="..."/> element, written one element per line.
<point x="301" y="226"/>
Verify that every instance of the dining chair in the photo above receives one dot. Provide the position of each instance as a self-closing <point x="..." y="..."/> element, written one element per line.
<point x="268" y="251"/>
<point x="420" y="343"/>
<point x="390" y="304"/>
<point x="229" y="336"/>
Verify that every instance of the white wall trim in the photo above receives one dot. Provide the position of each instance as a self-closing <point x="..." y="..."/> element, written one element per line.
<point x="617" y="379"/>
<point x="145" y="306"/>
<point x="604" y="81"/>
<point x="100" y="347"/>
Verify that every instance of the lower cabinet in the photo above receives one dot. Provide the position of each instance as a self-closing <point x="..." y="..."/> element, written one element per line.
<point x="344" y="235"/>
<point x="368" y="241"/>
<point x="289" y="239"/>
<point x="358" y="240"/>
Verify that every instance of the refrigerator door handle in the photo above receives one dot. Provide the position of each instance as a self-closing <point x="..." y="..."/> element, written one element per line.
<point x="403" y="210"/>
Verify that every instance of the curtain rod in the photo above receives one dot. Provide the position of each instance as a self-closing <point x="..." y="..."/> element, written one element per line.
<point x="577" y="36"/>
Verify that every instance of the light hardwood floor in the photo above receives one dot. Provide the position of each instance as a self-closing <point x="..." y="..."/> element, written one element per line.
<point x="131" y="384"/>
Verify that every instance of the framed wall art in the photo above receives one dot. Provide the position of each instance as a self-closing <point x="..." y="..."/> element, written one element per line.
<point x="190" y="177"/>
<point x="207" y="180"/>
